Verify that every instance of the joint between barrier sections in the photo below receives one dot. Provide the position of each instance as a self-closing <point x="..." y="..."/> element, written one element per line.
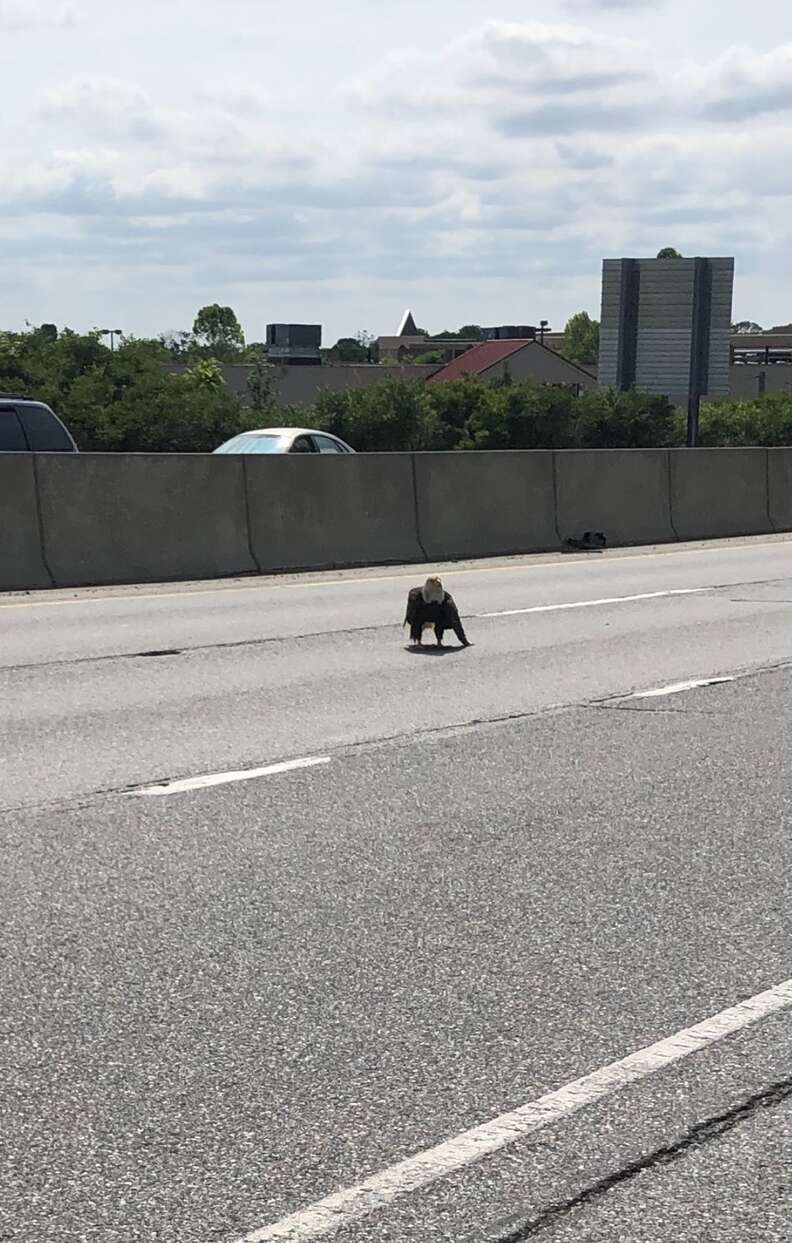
<point x="40" y="521"/>
<point x="248" y="523"/>
<point x="772" y="526"/>
<point x="416" y="508"/>
<point x="671" y="497"/>
<point x="554" y="461"/>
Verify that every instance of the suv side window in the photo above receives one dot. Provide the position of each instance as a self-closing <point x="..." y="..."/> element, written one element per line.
<point x="45" y="432"/>
<point x="12" y="438"/>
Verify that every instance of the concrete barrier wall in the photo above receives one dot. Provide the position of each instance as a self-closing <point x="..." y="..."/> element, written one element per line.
<point x="116" y="518"/>
<point x="21" y="561"/>
<point x="310" y="512"/>
<point x="121" y="518"/>
<point x="622" y="492"/>
<point x="719" y="492"/>
<point x="779" y="483"/>
<point x="485" y="504"/>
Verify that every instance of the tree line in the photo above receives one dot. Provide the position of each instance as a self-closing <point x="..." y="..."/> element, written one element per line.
<point x="127" y="400"/>
<point x="473" y="413"/>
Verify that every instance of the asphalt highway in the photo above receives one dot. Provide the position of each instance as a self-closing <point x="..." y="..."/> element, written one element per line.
<point x="458" y="883"/>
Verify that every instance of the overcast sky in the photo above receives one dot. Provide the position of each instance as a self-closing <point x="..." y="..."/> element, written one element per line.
<point x="328" y="162"/>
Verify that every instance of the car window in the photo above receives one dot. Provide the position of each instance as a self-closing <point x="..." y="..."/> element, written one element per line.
<point x="45" y="433"/>
<point x="325" y="445"/>
<point x="12" y="438"/>
<point x="302" y="444"/>
<point x="247" y="443"/>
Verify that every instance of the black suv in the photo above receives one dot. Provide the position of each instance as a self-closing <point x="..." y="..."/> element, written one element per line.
<point x="31" y="427"/>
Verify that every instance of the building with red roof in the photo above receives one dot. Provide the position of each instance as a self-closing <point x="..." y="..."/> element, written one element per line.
<point x="520" y="359"/>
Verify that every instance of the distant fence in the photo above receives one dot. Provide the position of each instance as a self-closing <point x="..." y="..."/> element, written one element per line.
<point x="70" y="520"/>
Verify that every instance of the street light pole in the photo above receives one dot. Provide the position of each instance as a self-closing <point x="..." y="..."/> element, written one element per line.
<point x="112" y="333"/>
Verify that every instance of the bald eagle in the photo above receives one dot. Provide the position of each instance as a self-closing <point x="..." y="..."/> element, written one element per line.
<point x="432" y="606"/>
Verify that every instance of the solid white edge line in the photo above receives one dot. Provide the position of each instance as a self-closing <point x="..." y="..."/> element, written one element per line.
<point x="588" y="604"/>
<point x="219" y="779"/>
<point x="676" y="688"/>
<point x="330" y="1214"/>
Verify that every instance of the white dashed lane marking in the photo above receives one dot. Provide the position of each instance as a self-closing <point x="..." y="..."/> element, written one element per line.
<point x="590" y="604"/>
<point x="220" y="779"/>
<point x="335" y="1211"/>
<point x="676" y="688"/>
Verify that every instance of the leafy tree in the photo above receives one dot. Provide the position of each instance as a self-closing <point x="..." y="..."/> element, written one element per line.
<point x="124" y="399"/>
<point x="386" y="417"/>
<point x="746" y="326"/>
<point x="179" y="345"/>
<point x="765" y="420"/>
<point x="668" y="252"/>
<point x="468" y="332"/>
<point x="581" y="339"/>
<point x="349" y="350"/>
<point x="614" y="420"/>
<point x="522" y="416"/>
<point x="218" y="331"/>
<point x="207" y="373"/>
<point x="456" y="405"/>
<point x="137" y="399"/>
<point x="261" y="390"/>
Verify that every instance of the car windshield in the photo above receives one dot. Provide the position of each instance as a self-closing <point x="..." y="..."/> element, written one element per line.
<point x="252" y="443"/>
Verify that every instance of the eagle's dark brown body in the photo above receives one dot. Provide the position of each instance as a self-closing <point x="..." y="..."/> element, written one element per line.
<point x="442" y="614"/>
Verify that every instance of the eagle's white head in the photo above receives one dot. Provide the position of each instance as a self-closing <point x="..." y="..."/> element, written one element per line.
<point x="433" y="591"/>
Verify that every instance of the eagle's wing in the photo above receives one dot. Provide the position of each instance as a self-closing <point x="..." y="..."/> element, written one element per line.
<point x="452" y="612"/>
<point x="414" y="602"/>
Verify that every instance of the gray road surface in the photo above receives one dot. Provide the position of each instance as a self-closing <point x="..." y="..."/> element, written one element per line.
<point x="220" y="1006"/>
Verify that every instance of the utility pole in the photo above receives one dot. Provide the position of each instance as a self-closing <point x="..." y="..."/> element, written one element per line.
<point x="694" y="406"/>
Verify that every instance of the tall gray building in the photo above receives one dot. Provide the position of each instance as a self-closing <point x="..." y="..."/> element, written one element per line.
<point x="665" y="327"/>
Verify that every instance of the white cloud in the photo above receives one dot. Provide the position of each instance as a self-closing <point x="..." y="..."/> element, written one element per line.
<point x="619" y="5"/>
<point x="509" y="156"/>
<point x="23" y="15"/>
<point x="741" y="83"/>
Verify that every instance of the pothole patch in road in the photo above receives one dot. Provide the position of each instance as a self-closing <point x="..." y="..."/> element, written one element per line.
<point x="165" y="651"/>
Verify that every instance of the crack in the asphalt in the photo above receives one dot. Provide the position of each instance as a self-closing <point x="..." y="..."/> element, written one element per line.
<point x="753" y="600"/>
<point x="406" y="738"/>
<point x="656" y="711"/>
<point x="518" y="1228"/>
<point x="68" y="661"/>
<point x="232" y="644"/>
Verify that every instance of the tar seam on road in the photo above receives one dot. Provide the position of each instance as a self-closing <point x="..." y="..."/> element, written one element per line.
<point x="372" y="629"/>
<point x="519" y="1227"/>
<point x="231" y="644"/>
<point x="186" y="784"/>
<point x="327" y="1216"/>
<point x="618" y="702"/>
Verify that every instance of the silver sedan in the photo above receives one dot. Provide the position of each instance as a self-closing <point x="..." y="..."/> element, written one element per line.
<point x="285" y="440"/>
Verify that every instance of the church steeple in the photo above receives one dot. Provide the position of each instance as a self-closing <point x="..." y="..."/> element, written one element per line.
<point x="407" y="327"/>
